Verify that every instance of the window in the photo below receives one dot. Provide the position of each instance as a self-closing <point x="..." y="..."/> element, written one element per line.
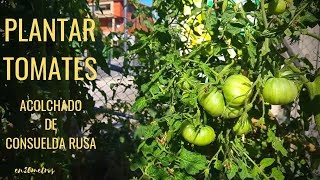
<point x="105" y="7"/>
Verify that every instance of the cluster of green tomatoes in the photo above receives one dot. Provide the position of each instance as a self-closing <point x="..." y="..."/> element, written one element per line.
<point x="230" y="102"/>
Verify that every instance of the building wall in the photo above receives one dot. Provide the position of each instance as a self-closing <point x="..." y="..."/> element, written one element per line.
<point x="118" y="9"/>
<point x="116" y="12"/>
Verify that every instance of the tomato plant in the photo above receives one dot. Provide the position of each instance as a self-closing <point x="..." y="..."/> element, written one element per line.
<point x="237" y="48"/>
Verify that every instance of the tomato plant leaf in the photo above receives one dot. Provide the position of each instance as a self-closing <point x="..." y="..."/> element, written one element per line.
<point x="266" y="162"/>
<point x="277" y="174"/>
<point x="233" y="170"/>
<point x="192" y="162"/>
<point x="244" y="173"/>
<point x="252" y="52"/>
<point x="174" y="124"/>
<point x="157" y="173"/>
<point x="276" y="143"/>
<point x="147" y="132"/>
<point x="233" y="30"/>
<point x="167" y="160"/>
<point x="180" y="175"/>
<point x="227" y="16"/>
<point x="265" y="47"/>
<point x="308" y="18"/>
<point x="255" y="171"/>
<point x="138" y="162"/>
<point x="218" y="165"/>
<point x="211" y="21"/>
<point x="139" y="105"/>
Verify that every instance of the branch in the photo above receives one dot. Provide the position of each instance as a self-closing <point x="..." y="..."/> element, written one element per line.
<point x="264" y="16"/>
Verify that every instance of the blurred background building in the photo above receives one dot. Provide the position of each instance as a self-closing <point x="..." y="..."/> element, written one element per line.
<point x="113" y="15"/>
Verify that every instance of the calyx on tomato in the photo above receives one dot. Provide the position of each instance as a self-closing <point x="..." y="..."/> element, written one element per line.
<point x="232" y="112"/>
<point x="243" y="126"/>
<point x="201" y="136"/>
<point x="279" y="91"/>
<point x="236" y="90"/>
<point x="277" y="6"/>
<point x="211" y="100"/>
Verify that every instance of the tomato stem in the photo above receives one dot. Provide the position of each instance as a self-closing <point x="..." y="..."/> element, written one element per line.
<point x="214" y="157"/>
<point x="247" y="107"/>
<point x="243" y="151"/>
<point x="264" y="16"/>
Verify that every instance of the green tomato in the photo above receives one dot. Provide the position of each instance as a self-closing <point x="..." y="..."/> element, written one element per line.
<point x="232" y="112"/>
<point x="211" y="100"/>
<point x="279" y="91"/>
<point x="236" y="90"/>
<point x="200" y="137"/>
<point x="277" y="6"/>
<point x="242" y="127"/>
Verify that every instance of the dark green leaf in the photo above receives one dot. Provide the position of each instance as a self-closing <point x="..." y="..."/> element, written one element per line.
<point x="147" y="132"/>
<point x="266" y="162"/>
<point x="234" y="30"/>
<point x="218" y="165"/>
<point x="277" y="174"/>
<point x="192" y="162"/>
<point x="157" y="172"/>
<point x="139" y="162"/>
<point x="265" y="47"/>
<point x="139" y="105"/>
<point x="244" y="173"/>
<point x="179" y="175"/>
<point x="233" y="171"/>
<point x="278" y="145"/>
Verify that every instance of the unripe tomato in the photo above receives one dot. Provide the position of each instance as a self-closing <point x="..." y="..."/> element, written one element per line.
<point x="200" y="137"/>
<point x="232" y="112"/>
<point x="236" y="90"/>
<point x="279" y="91"/>
<point x="277" y="6"/>
<point x="242" y="127"/>
<point x="211" y="100"/>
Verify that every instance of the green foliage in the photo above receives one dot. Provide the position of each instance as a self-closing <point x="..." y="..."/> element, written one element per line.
<point x="192" y="162"/>
<point x="184" y="50"/>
